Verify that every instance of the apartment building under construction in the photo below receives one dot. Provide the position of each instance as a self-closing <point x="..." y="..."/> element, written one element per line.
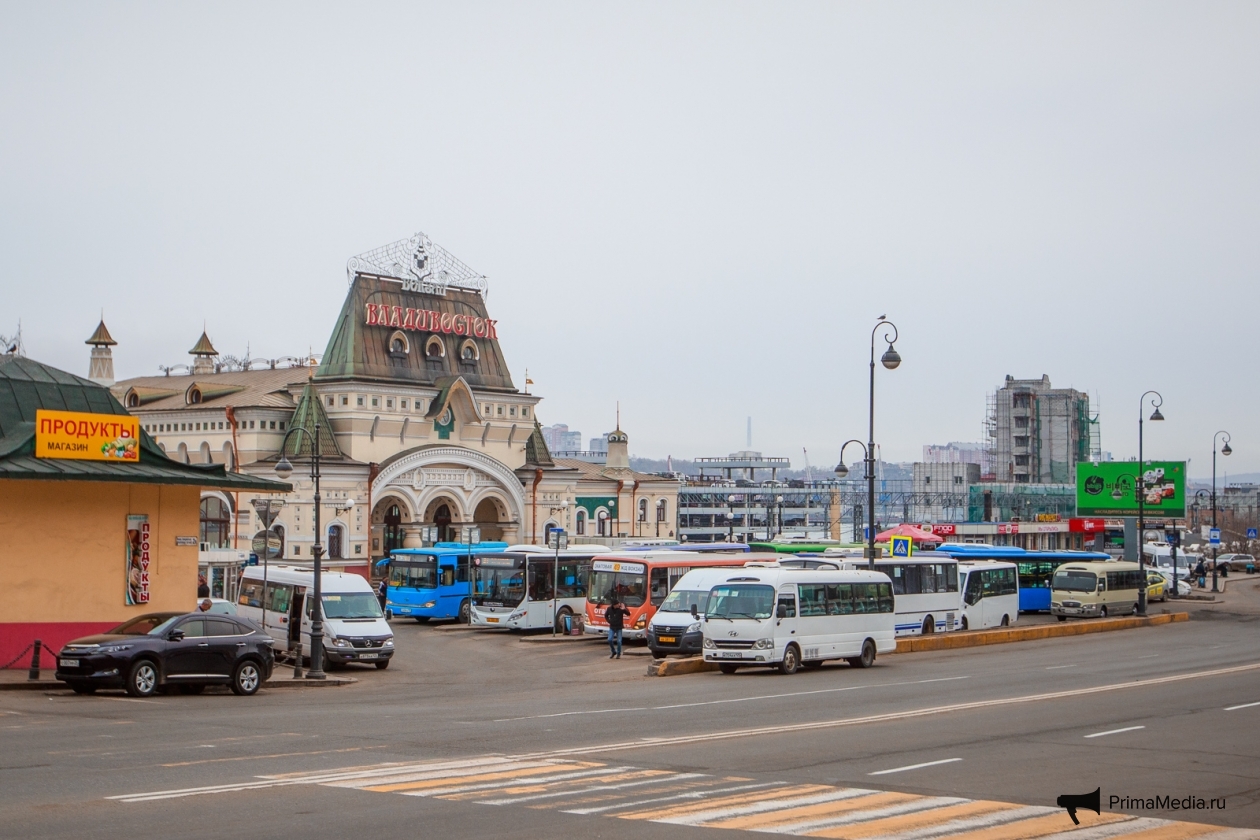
<point x="1038" y="433"/>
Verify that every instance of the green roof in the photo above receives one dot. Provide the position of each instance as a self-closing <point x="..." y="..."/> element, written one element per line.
<point x="26" y="386"/>
<point x="306" y="415"/>
<point x="536" y="452"/>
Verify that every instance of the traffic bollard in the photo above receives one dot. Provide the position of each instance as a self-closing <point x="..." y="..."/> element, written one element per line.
<point x="297" y="662"/>
<point x="33" y="674"/>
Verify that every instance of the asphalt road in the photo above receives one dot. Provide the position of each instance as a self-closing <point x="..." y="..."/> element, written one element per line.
<point x="561" y="740"/>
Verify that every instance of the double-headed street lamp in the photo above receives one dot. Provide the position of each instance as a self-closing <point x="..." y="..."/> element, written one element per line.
<point x="730" y="518"/>
<point x="1225" y="450"/>
<point x="890" y="359"/>
<point x="284" y="469"/>
<point x="1140" y="490"/>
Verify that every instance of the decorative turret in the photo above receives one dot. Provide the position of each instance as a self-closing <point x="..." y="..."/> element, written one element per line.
<point x="618" y="450"/>
<point x="536" y="452"/>
<point x="205" y="353"/>
<point x="101" y="366"/>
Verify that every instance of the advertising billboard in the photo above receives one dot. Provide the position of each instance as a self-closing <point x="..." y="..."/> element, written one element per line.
<point x="1107" y="488"/>
<point x="86" y="437"/>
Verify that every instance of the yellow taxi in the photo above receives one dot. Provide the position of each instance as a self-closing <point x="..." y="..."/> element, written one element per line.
<point x="1156" y="587"/>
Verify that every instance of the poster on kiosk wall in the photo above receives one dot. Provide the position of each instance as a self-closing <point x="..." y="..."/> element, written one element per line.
<point x="137" y="559"/>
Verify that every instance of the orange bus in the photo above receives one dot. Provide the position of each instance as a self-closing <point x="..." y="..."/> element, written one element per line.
<point x="642" y="580"/>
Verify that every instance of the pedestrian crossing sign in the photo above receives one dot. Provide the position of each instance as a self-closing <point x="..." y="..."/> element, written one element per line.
<point x="901" y="546"/>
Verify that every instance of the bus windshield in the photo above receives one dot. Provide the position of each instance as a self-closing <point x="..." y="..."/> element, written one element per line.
<point x="682" y="601"/>
<point x="1075" y="581"/>
<point x="351" y="605"/>
<point x="741" y="601"/>
<point x="414" y="574"/>
<point x="498" y="585"/>
<point x="627" y="587"/>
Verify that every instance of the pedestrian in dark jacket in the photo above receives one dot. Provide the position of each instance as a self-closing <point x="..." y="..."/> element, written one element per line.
<point x="1200" y="572"/>
<point x="615" y="615"/>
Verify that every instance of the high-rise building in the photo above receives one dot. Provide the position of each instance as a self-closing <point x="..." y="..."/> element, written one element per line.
<point x="956" y="452"/>
<point x="560" y="439"/>
<point x="1038" y="433"/>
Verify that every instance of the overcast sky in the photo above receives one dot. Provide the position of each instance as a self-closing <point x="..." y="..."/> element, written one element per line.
<point x="697" y="209"/>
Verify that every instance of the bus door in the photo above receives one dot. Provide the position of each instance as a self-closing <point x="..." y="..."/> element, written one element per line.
<point x="973" y="599"/>
<point x="785" y="614"/>
<point x="296" y="616"/>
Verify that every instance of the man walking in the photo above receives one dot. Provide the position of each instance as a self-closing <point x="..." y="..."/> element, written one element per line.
<point x="615" y="615"/>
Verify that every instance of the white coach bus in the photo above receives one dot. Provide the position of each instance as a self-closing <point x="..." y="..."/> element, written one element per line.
<point x="764" y="615"/>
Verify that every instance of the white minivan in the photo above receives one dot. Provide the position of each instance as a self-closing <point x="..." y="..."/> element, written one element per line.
<point x="675" y="626"/>
<point x="753" y="619"/>
<point x="355" y="629"/>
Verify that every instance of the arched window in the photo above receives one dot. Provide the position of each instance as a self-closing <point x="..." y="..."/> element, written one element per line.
<point x="182" y="455"/>
<point x="643" y="510"/>
<point x="662" y="508"/>
<point x="229" y="457"/>
<point x="579" y="523"/>
<point x="434" y="348"/>
<point x="336" y="542"/>
<point x="216" y="522"/>
<point x="601" y="523"/>
<point x="205" y="453"/>
<point x="468" y="352"/>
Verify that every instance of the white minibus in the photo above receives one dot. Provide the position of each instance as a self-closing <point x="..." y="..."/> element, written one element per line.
<point x="355" y="629"/>
<point x="1095" y="590"/>
<point x="990" y="593"/>
<point x="753" y="618"/>
<point x="675" y="626"/>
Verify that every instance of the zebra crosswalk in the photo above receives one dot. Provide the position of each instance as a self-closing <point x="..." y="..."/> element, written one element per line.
<point x="627" y="792"/>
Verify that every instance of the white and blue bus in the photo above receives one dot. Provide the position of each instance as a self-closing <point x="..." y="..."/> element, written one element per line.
<point x="428" y="583"/>
<point x="1036" y="568"/>
<point x="531" y="587"/>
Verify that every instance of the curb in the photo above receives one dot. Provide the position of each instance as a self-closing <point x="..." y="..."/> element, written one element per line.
<point x="951" y="641"/>
<point x="57" y="685"/>
<point x="548" y="639"/>
<point x="676" y="667"/>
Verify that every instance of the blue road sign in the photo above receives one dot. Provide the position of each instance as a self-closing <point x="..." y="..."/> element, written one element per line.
<point x="1252" y="534"/>
<point x="901" y="546"/>
<point x="1214" y="536"/>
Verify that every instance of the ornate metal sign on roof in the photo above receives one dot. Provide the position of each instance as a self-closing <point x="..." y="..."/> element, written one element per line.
<point x="419" y="265"/>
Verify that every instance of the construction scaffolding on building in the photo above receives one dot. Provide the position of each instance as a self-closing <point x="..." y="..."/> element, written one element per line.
<point x="1039" y="433"/>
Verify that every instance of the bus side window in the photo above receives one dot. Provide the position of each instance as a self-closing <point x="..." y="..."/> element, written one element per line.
<point x="975" y="589"/>
<point x="279" y="597"/>
<point x="659" y="584"/>
<point x="461" y="570"/>
<point x="448" y="576"/>
<point x="951" y="578"/>
<point x="1102" y="583"/>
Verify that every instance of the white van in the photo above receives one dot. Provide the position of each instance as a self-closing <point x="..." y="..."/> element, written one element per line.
<point x="355" y="629"/>
<point x="675" y="627"/>
<point x="990" y="593"/>
<point x="752" y="618"/>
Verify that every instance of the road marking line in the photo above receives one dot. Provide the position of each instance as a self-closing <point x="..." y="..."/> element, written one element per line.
<point x="729" y="700"/>
<point x="768" y="820"/>
<point x="538" y="774"/>
<point x="1243" y="706"/>
<point x="914" y="766"/>
<point x="693" y="795"/>
<point x="1114" y="731"/>
<point x="271" y="755"/>
<point x="697" y="812"/>
<point x="892" y="716"/>
<point x="818" y="828"/>
<point x="1056" y="667"/>
<point x="931" y="819"/>
<point x="980" y="825"/>
<point x="658" y="777"/>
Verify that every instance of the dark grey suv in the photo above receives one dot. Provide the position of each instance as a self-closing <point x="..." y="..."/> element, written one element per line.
<point x="184" y="651"/>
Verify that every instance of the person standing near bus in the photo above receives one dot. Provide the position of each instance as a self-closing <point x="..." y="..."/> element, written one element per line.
<point x="615" y="615"/>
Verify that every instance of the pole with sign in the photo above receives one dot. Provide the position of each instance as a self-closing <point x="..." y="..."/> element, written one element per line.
<point x="558" y="540"/>
<point x="901" y="546"/>
<point x="267" y="510"/>
<point x="469" y="535"/>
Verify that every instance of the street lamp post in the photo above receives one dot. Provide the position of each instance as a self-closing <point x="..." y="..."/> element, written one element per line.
<point x="284" y="469"/>
<point x="842" y="471"/>
<point x="730" y="518"/>
<point x="1225" y="450"/>
<point x="1140" y="490"/>
<point x="778" y="503"/>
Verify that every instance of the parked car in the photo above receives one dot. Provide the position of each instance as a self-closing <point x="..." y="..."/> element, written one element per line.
<point x="1231" y="562"/>
<point x="184" y="650"/>
<point x="1156" y="587"/>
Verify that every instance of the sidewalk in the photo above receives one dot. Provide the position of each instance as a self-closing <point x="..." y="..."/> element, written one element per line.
<point x="282" y="677"/>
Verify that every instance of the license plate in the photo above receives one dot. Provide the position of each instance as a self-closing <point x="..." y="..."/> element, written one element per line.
<point x="69" y="663"/>
<point x="368" y="655"/>
<point x="728" y="654"/>
<point x="492" y="621"/>
<point x="669" y="640"/>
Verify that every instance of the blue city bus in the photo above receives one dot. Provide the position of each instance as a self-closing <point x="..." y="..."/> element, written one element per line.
<point x="1036" y="568"/>
<point x="428" y="583"/>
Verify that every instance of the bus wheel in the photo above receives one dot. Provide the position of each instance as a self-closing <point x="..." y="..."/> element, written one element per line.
<point x="929" y="626"/>
<point x="422" y="619"/>
<point x="964" y="623"/>
<point x="465" y="611"/>
<point x="1063" y="618"/>
<point x="791" y="660"/>
<point x="1006" y="621"/>
<point x="867" y="659"/>
<point x="727" y="668"/>
<point x="564" y="613"/>
<point x="1102" y="613"/>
